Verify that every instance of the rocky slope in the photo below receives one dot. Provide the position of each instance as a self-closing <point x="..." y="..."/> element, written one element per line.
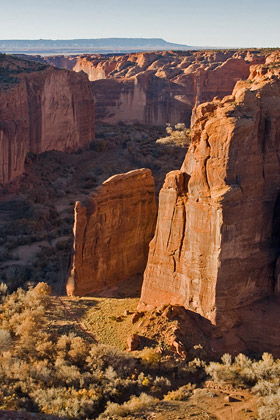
<point x="159" y="87"/>
<point x="217" y="238"/>
<point x="41" y="108"/>
<point x="112" y="232"/>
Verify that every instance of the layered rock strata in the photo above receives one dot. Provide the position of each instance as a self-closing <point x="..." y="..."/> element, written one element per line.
<point x="112" y="232"/>
<point x="41" y="108"/>
<point x="159" y="87"/>
<point x="217" y="238"/>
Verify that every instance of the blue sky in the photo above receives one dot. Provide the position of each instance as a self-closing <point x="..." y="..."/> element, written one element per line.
<point x="239" y="23"/>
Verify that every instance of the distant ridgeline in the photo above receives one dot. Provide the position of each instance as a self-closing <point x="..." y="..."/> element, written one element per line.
<point x="78" y="46"/>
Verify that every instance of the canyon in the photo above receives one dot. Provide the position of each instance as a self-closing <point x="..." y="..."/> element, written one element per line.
<point x="159" y="87"/>
<point x="41" y="108"/>
<point x="216" y="245"/>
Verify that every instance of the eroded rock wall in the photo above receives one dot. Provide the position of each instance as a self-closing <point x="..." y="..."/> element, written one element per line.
<point x="159" y="87"/>
<point x="156" y="88"/>
<point x="217" y="237"/>
<point x="44" y="110"/>
<point x="112" y="232"/>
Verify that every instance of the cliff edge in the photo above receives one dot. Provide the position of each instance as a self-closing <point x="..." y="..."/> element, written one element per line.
<point x="41" y="108"/>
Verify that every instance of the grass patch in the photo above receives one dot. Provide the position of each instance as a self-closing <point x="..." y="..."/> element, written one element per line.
<point x="108" y="322"/>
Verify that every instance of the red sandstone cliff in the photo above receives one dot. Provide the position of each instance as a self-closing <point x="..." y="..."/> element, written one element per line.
<point x="112" y="232"/>
<point x="155" y="88"/>
<point x="41" y="108"/>
<point x="160" y="87"/>
<point x="217" y="238"/>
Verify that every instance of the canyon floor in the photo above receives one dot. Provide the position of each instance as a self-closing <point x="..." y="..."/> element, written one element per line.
<point x="36" y="212"/>
<point x="36" y="221"/>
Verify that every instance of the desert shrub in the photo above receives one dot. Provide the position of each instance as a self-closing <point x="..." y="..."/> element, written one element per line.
<point x="73" y="349"/>
<point x="150" y="357"/>
<point x="5" y="340"/>
<point x="181" y="394"/>
<point x="270" y="408"/>
<point x="245" y="371"/>
<point x="68" y="402"/>
<point x="23" y="312"/>
<point x="264" y="387"/>
<point x="99" y="145"/>
<point x="144" y="380"/>
<point x="240" y="372"/>
<point x="65" y="375"/>
<point x="14" y="276"/>
<point x="179" y="136"/>
<point x="102" y="356"/>
<point x="162" y="382"/>
<point x="133" y="405"/>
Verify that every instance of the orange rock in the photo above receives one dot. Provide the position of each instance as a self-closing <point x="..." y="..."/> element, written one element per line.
<point x="112" y="232"/>
<point x="161" y="87"/>
<point x="133" y="342"/>
<point x="217" y="236"/>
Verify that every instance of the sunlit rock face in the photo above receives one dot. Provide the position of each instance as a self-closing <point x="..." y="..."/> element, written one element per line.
<point x="159" y="87"/>
<point x="112" y="232"/>
<point x="217" y="239"/>
<point x="44" y="109"/>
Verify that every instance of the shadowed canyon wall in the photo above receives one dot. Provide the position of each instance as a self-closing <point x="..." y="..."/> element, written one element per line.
<point x="41" y="108"/>
<point x="159" y="87"/>
<point x="112" y="232"/>
<point x="217" y="239"/>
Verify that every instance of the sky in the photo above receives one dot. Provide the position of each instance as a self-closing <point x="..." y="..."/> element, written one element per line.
<point x="217" y="23"/>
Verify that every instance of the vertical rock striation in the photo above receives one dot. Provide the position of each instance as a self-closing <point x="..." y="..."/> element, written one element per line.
<point x="112" y="232"/>
<point x="41" y="108"/>
<point x="217" y="238"/>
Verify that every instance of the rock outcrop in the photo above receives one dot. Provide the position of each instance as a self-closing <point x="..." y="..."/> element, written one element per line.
<point x="155" y="88"/>
<point x="112" y="232"/>
<point x="217" y="238"/>
<point x="159" y="87"/>
<point x="41" y="108"/>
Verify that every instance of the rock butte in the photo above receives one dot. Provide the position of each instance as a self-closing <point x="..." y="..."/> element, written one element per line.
<point x="159" y="87"/>
<point x="112" y="232"/>
<point x="47" y="109"/>
<point x="217" y="239"/>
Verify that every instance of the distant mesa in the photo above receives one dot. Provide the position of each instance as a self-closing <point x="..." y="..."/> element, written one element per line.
<point x="82" y="46"/>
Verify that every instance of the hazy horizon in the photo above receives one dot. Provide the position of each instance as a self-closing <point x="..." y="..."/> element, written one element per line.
<point x="242" y="24"/>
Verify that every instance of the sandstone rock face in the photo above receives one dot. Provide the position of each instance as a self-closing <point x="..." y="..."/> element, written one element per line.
<point x="218" y="230"/>
<point x="43" y="109"/>
<point x="112" y="232"/>
<point x="155" y="88"/>
<point x="160" y="87"/>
